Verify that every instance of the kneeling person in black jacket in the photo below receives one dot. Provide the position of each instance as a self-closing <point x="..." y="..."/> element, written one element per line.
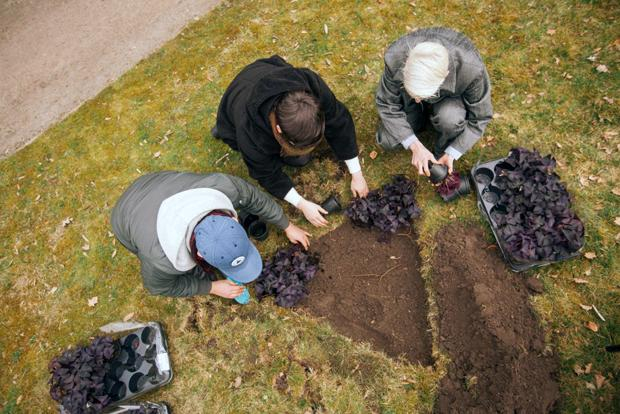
<point x="183" y="226"/>
<point x="275" y="114"/>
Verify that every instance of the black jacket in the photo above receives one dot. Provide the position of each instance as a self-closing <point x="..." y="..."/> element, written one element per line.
<point x="243" y="118"/>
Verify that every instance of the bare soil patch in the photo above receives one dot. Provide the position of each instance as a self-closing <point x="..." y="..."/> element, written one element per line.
<point x="372" y="291"/>
<point x="499" y="360"/>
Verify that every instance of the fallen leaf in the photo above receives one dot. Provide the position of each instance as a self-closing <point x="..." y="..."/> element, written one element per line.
<point x="587" y="368"/>
<point x="608" y="100"/>
<point x="19" y="400"/>
<point x="93" y="301"/>
<point x="602" y="69"/>
<point x="114" y="254"/>
<point x="592" y="58"/>
<point x="617" y="221"/>
<point x="237" y="383"/>
<point x="610" y="135"/>
<point x="157" y="154"/>
<point x="599" y="380"/>
<point x="53" y="290"/>
<point x="589" y="255"/>
<point x="588" y="272"/>
<point x="590" y="386"/>
<point x="577" y="369"/>
<point x="616" y="191"/>
<point x="585" y="307"/>
<point x="592" y="326"/>
<point x="67" y="221"/>
<point x="128" y="317"/>
<point x="580" y="281"/>
<point x="497" y="115"/>
<point x="551" y="32"/>
<point x="86" y="247"/>
<point x="325" y="29"/>
<point x="373" y="155"/>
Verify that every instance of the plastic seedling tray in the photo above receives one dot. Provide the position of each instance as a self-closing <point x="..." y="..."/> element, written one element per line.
<point x="142" y="363"/>
<point x="141" y="407"/>
<point x="483" y="177"/>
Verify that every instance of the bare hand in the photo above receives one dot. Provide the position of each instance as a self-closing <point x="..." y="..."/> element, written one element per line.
<point x="446" y="160"/>
<point x="420" y="158"/>
<point x="312" y="212"/>
<point x="359" y="188"/>
<point x="297" y="235"/>
<point x="226" y="289"/>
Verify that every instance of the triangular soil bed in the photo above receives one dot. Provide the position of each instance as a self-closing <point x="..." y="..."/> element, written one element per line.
<point x="500" y="363"/>
<point x="372" y="291"/>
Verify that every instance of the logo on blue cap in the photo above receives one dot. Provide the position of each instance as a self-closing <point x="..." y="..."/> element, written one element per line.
<point x="224" y="244"/>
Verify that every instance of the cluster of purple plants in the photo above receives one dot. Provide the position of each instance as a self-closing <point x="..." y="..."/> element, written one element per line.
<point x="536" y="221"/>
<point x="387" y="209"/>
<point x="449" y="185"/>
<point x="285" y="276"/>
<point x="78" y="375"/>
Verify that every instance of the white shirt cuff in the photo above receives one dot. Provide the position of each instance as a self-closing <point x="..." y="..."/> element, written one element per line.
<point x="293" y="197"/>
<point x="453" y="152"/>
<point x="353" y="165"/>
<point x="406" y="143"/>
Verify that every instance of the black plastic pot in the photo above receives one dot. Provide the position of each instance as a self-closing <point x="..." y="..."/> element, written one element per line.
<point x="117" y="368"/>
<point x="252" y="224"/>
<point x="258" y="230"/>
<point x="117" y="391"/>
<point x="332" y="204"/>
<point x="148" y="335"/>
<point x="127" y="357"/>
<point x="132" y="342"/>
<point x="137" y="381"/>
<point x="438" y="172"/>
<point x="464" y="189"/>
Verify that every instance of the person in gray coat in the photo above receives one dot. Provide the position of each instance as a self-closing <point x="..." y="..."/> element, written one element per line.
<point x="434" y="72"/>
<point x="183" y="226"/>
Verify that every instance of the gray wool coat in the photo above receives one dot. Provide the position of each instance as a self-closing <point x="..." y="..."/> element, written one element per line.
<point x="134" y="222"/>
<point x="467" y="79"/>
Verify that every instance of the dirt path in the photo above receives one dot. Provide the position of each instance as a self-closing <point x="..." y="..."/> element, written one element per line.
<point x="56" y="54"/>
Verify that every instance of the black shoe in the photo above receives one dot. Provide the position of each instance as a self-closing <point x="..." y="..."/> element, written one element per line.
<point x="297" y="161"/>
<point x="214" y="133"/>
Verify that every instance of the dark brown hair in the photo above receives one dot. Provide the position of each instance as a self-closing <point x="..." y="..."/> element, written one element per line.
<point x="301" y="119"/>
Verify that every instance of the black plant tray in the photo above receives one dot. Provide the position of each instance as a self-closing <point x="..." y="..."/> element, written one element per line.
<point x="483" y="177"/>
<point x="143" y="355"/>
<point x="141" y="407"/>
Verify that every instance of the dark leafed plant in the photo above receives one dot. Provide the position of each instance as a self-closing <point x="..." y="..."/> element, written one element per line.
<point x="536" y="221"/>
<point x="449" y="185"/>
<point x="78" y="375"/>
<point x="285" y="276"/>
<point x="387" y="209"/>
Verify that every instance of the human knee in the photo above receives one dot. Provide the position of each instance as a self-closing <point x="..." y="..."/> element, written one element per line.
<point x="449" y="122"/>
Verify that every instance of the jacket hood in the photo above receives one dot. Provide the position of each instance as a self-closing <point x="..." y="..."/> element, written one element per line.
<point x="267" y="91"/>
<point x="179" y="214"/>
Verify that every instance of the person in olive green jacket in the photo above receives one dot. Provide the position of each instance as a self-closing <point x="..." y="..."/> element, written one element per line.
<point x="184" y="226"/>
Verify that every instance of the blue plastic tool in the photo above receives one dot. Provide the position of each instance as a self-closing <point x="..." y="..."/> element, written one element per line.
<point x="244" y="297"/>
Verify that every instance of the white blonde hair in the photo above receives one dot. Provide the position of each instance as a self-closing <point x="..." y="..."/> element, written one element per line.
<point x="425" y="69"/>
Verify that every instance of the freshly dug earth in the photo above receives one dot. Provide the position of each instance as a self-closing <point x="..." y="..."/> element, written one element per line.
<point x="487" y="327"/>
<point x="372" y="291"/>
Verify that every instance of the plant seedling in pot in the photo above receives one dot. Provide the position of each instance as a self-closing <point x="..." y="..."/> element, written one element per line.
<point x="453" y="187"/>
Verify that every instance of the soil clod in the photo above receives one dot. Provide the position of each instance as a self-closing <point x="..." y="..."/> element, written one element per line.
<point x="489" y="330"/>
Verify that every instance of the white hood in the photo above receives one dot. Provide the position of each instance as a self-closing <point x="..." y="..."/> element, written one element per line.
<point x="180" y="211"/>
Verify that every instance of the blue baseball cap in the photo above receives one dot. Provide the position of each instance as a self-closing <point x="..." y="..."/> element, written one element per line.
<point x="223" y="243"/>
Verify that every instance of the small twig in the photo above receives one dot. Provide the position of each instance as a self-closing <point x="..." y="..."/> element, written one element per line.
<point x="222" y="157"/>
<point x="388" y="271"/>
<point x="598" y="313"/>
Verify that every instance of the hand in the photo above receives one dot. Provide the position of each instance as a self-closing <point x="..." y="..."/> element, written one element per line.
<point x="359" y="188"/>
<point x="226" y="289"/>
<point x="297" y="235"/>
<point x="312" y="212"/>
<point x="420" y="158"/>
<point x="446" y="160"/>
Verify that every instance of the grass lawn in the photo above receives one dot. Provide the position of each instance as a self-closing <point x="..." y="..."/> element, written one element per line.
<point x="548" y="94"/>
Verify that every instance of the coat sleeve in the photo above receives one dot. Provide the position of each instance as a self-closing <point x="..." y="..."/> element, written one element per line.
<point x="389" y="103"/>
<point x="267" y="170"/>
<point x="477" y="100"/>
<point x="158" y="282"/>
<point x="339" y="125"/>
<point x="249" y="198"/>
